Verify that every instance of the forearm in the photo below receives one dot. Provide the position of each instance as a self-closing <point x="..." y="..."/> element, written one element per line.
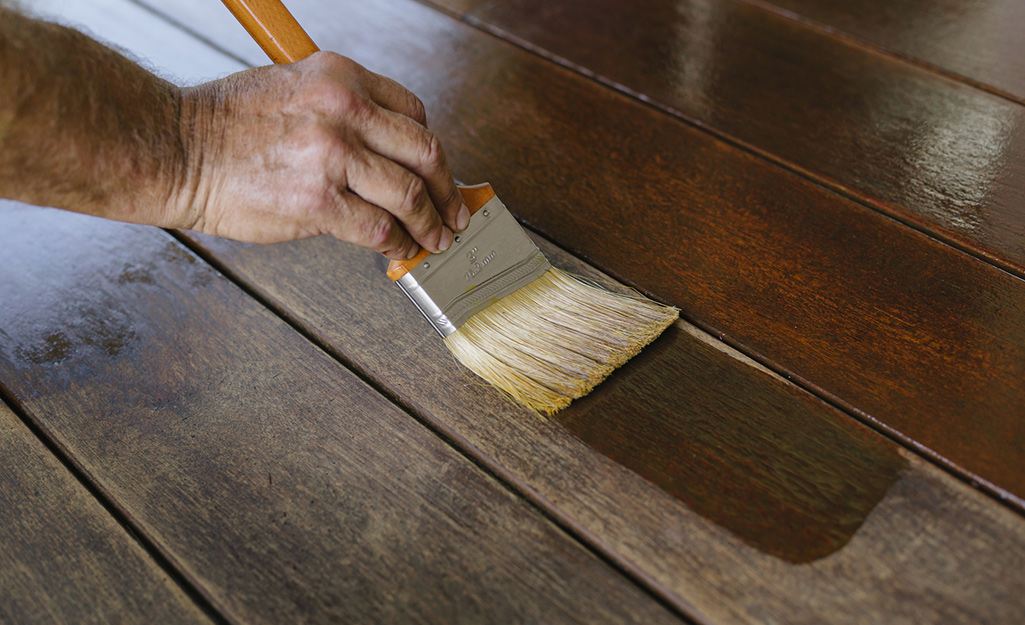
<point x="85" y="129"/>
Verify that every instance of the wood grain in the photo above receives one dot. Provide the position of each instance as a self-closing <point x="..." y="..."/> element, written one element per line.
<point x="930" y="550"/>
<point x="742" y="496"/>
<point x="924" y="341"/>
<point x="270" y="24"/>
<point x="289" y="490"/>
<point x="936" y="153"/>
<point x="63" y="558"/>
<point x="979" y="40"/>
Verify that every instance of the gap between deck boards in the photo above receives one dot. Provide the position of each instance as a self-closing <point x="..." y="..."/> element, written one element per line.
<point x="879" y="206"/>
<point x="206" y="603"/>
<point x="994" y="492"/>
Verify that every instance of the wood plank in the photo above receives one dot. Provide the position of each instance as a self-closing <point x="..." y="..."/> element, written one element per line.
<point x="921" y="340"/>
<point x="288" y="489"/>
<point x="843" y="525"/>
<point x="742" y="496"/>
<point x="63" y="558"/>
<point x="978" y="40"/>
<point x="938" y="154"/>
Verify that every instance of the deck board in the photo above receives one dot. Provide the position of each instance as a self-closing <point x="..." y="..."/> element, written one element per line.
<point x="978" y="40"/>
<point x="285" y="487"/>
<point x="921" y="339"/>
<point x="935" y="153"/>
<point x="839" y="507"/>
<point x="63" y="557"/>
<point x="846" y="524"/>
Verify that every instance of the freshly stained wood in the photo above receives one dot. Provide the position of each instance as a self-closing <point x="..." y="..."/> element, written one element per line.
<point x="894" y="539"/>
<point x="288" y="489"/>
<point x="837" y="507"/>
<point x="744" y="498"/>
<point x="937" y="153"/>
<point x="923" y="339"/>
<point x="979" y="40"/>
<point x="63" y="558"/>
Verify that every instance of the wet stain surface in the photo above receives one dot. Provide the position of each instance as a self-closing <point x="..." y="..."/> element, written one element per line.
<point x="70" y="298"/>
<point x="767" y="462"/>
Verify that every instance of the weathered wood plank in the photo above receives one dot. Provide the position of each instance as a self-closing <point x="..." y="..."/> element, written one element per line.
<point x="979" y="40"/>
<point x="288" y="489"/>
<point x="936" y="153"/>
<point x="925" y="341"/>
<point x="63" y="558"/>
<point x="845" y="526"/>
<point x="758" y="501"/>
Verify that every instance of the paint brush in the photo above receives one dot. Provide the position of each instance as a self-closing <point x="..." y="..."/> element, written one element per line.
<point x="543" y="336"/>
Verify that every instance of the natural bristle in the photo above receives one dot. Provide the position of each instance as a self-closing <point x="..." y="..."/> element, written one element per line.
<point x="555" y="339"/>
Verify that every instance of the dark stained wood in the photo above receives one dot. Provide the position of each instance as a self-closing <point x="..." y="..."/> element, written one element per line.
<point x="773" y="470"/>
<point x="923" y="340"/>
<point x="63" y="558"/>
<point x="937" y="153"/>
<point x="748" y="521"/>
<point x="930" y="550"/>
<point x="288" y="489"/>
<point x="849" y="506"/>
<point x="979" y="40"/>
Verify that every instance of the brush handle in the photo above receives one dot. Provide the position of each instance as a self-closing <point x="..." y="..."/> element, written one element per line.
<point x="271" y="25"/>
<point x="475" y="197"/>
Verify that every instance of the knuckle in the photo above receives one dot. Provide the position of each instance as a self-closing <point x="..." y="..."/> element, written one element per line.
<point x="416" y="108"/>
<point x="416" y="194"/>
<point x="380" y="236"/>
<point x="324" y="143"/>
<point x="326" y="60"/>
<point x="430" y="152"/>
<point x="348" y="102"/>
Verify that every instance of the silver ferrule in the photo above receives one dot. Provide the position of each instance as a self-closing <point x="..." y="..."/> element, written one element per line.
<point x="492" y="258"/>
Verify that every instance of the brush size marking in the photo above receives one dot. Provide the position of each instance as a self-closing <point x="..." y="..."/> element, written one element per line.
<point x="476" y="266"/>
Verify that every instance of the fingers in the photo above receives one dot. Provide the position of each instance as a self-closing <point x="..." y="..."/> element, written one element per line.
<point x="384" y="151"/>
<point x="398" y="138"/>
<point x="384" y="183"/>
<point x="360" y="222"/>
<point x="394" y="97"/>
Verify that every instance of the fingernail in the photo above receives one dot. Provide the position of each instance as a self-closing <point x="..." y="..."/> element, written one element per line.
<point x="446" y="239"/>
<point x="413" y="251"/>
<point x="463" y="218"/>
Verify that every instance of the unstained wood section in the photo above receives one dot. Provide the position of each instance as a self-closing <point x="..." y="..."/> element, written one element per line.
<point x="63" y="558"/>
<point x="288" y="489"/>
<point x="938" y="153"/>
<point x="922" y="338"/>
<point x="980" y="40"/>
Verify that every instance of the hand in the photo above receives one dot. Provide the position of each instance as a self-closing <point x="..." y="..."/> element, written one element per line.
<point x="322" y="146"/>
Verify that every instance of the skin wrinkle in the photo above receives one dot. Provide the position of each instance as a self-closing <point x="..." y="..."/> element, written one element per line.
<point x="265" y="155"/>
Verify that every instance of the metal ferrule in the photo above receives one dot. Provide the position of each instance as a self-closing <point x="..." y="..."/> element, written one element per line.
<point x="492" y="258"/>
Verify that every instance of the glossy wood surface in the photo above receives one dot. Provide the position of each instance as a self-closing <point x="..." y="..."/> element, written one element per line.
<point x="775" y="506"/>
<point x="937" y="153"/>
<point x="63" y="558"/>
<point x="743" y="497"/>
<point x="920" y="339"/>
<point x="978" y="40"/>
<point x="780" y="508"/>
<point x="281" y="485"/>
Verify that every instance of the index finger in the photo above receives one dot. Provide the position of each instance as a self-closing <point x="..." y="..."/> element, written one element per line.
<point x="391" y="95"/>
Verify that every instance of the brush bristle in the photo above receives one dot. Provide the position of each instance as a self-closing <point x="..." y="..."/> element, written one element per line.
<point x="555" y="339"/>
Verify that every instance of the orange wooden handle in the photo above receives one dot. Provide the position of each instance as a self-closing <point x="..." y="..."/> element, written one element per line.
<point x="274" y="28"/>
<point x="475" y="197"/>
